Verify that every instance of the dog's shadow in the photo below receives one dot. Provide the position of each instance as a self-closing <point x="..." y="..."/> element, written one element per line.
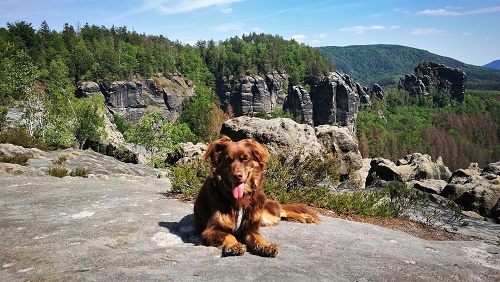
<point x="184" y="229"/>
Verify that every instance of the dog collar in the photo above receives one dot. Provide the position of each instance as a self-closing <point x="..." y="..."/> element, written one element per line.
<point x="240" y="217"/>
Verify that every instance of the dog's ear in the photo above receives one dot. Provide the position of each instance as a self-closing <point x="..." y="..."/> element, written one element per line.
<point x="259" y="151"/>
<point x="215" y="149"/>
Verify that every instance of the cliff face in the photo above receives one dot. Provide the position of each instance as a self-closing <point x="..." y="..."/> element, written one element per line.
<point x="130" y="99"/>
<point x="332" y="99"/>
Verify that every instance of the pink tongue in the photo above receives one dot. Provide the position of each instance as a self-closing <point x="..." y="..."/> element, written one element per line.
<point x="238" y="190"/>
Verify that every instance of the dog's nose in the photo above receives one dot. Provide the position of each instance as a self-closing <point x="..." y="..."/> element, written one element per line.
<point x="238" y="175"/>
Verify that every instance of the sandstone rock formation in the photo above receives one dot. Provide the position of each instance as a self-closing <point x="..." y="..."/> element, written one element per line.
<point x="98" y="165"/>
<point x="333" y="99"/>
<point x="130" y="99"/>
<point x="476" y="189"/>
<point x="412" y="167"/>
<point x="288" y="139"/>
<point x="431" y="75"/>
<point x="336" y="99"/>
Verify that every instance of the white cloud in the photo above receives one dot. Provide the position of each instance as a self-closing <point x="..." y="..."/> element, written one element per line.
<point x="425" y="31"/>
<point x="440" y="12"/>
<point x="448" y="11"/>
<point x="299" y="37"/>
<point x="362" y="29"/>
<point x="322" y="35"/>
<point x="226" y="11"/>
<point x="170" y="7"/>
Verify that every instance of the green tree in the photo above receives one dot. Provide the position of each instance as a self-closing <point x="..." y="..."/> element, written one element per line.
<point x="57" y="128"/>
<point x="158" y="136"/>
<point x="89" y="119"/>
<point x="202" y="115"/>
<point x="81" y="59"/>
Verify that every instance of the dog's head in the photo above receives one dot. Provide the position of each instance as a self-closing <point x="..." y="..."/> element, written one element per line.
<point x="238" y="165"/>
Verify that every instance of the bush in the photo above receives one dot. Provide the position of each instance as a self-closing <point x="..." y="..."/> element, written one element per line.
<point x="292" y="173"/>
<point x="20" y="159"/>
<point x="21" y="137"/>
<point x="58" y="171"/>
<point x="80" y="171"/>
<point x="121" y="124"/>
<point x="187" y="179"/>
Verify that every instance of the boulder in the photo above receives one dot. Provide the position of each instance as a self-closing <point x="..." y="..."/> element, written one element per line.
<point x="343" y="144"/>
<point x="287" y="139"/>
<point x="283" y="137"/>
<point x="424" y="167"/>
<point x="431" y="186"/>
<point x="87" y="89"/>
<point x="412" y="167"/>
<point x="476" y="190"/>
<point x="9" y="150"/>
<point x="188" y="153"/>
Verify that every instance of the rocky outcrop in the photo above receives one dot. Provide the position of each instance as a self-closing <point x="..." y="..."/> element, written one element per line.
<point x="336" y="99"/>
<point x="130" y="99"/>
<point x="250" y="95"/>
<point x="332" y="99"/>
<point x="343" y="144"/>
<point x="476" y="189"/>
<point x="433" y="76"/>
<point x="412" y="167"/>
<point x="97" y="165"/>
<point x="188" y="153"/>
<point x="288" y="139"/>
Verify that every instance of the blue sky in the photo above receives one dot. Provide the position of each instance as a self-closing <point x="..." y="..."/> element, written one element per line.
<point x="468" y="31"/>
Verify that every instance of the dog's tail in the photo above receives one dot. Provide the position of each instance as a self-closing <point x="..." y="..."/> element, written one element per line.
<point x="274" y="212"/>
<point x="299" y="213"/>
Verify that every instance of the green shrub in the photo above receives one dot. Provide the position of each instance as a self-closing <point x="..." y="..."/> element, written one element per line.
<point x="20" y="159"/>
<point x="80" y="171"/>
<point x="293" y="173"/>
<point x="58" y="171"/>
<point x="20" y="137"/>
<point x="122" y="124"/>
<point x="188" y="178"/>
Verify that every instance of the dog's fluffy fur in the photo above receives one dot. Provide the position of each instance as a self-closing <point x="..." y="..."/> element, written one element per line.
<point x="235" y="186"/>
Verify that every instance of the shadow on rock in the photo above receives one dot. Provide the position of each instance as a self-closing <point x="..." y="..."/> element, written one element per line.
<point x="184" y="229"/>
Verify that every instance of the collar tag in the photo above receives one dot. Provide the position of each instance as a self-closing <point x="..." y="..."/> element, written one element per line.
<point x="240" y="217"/>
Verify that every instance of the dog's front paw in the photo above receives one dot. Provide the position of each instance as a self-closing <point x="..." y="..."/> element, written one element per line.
<point x="270" y="250"/>
<point x="237" y="249"/>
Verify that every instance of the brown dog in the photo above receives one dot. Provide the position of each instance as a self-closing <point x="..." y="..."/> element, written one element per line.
<point x="231" y="206"/>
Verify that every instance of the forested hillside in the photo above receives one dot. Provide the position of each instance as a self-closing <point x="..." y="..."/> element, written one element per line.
<point x="385" y="64"/>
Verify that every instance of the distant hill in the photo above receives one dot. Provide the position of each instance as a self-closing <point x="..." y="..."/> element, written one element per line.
<point x="493" y="65"/>
<point x="385" y="64"/>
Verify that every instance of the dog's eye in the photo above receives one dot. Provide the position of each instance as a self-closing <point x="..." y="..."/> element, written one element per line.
<point x="245" y="158"/>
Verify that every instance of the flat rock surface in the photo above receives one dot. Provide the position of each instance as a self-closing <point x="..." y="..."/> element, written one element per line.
<point x="84" y="229"/>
